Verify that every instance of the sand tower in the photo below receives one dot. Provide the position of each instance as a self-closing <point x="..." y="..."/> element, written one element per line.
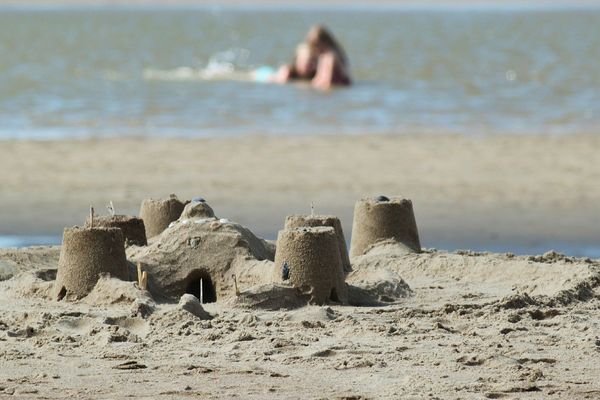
<point x="309" y="259"/>
<point x="133" y="228"/>
<point x="297" y="221"/>
<point x="158" y="214"/>
<point x="381" y="218"/>
<point x="86" y="254"/>
<point x="197" y="208"/>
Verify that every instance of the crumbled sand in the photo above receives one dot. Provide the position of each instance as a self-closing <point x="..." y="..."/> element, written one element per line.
<point x="461" y="325"/>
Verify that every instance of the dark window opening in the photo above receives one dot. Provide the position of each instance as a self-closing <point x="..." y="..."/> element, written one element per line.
<point x="208" y="292"/>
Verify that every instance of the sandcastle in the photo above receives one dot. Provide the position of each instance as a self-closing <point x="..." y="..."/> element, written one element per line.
<point x="158" y="214"/>
<point x="200" y="255"/>
<point x="297" y="221"/>
<point x="133" y="228"/>
<point x="309" y="259"/>
<point x="384" y="219"/>
<point x="86" y="254"/>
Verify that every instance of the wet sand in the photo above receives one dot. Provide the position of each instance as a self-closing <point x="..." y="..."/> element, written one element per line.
<point x="478" y="192"/>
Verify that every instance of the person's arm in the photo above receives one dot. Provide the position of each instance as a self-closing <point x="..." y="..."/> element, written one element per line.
<point x="330" y="71"/>
<point x="284" y="74"/>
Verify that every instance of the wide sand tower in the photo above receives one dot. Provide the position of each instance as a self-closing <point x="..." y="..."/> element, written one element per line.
<point x="379" y="219"/>
<point x="134" y="231"/>
<point x="158" y="214"/>
<point x="309" y="259"/>
<point x="86" y="254"/>
<point x="297" y="221"/>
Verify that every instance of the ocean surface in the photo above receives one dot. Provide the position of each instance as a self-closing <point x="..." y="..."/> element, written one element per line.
<point x="144" y="71"/>
<point x="92" y="72"/>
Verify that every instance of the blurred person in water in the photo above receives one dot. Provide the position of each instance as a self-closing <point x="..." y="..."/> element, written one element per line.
<point x="320" y="59"/>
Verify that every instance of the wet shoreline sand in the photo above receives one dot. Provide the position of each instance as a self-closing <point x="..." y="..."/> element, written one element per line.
<point x="468" y="192"/>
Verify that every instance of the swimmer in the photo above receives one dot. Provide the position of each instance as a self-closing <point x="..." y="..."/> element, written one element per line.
<point x="320" y="59"/>
<point x="304" y="66"/>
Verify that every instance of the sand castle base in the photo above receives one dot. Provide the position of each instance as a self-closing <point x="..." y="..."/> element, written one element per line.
<point x="85" y="255"/>
<point x="309" y="259"/>
<point x="158" y="214"/>
<point x="382" y="219"/>
<point x="134" y="231"/>
<point x="298" y="221"/>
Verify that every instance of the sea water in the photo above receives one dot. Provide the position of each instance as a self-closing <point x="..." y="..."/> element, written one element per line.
<point x="69" y="72"/>
<point x="180" y="71"/>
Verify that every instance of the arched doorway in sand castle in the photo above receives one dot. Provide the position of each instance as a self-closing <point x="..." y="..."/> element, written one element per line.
<point x="200" y="284"/>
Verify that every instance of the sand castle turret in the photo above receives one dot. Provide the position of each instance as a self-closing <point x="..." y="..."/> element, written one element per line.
<point x="309" y="259"/>
<point x="87" y="253"/>
<point x="133" y="229"/>
<point x="158" y="214"/>
<point x="197" y="208"/>
<point x="383" y="219"/>
<point x="297" y="221"/>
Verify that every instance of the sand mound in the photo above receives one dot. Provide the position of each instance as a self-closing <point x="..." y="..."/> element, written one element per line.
<point x="376" y="286"/>
<point x="270" y="297"/>
<point x="312" y="313"/>
<point x="203" y="252"/>
<point x="14" y="261"/>
<point x="110" y="290"/>
<point x="192" y="305"/>
<point x="32" y="284"/>
<point x="481" y="277"/>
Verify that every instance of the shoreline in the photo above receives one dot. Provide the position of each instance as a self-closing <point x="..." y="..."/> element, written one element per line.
<point x="468" y="192"/>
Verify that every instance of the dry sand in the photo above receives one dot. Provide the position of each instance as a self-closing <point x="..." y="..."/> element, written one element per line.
<point x="434" y="324"/>
<point x="467" y="192"/>
<point x="470" y="326"/>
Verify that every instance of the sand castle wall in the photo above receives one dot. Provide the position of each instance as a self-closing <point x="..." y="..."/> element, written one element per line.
<point x="309" y="259"/>
<point x="297" y="221"/>
<point x="85" y="255"/>
<point x="134" y="231"/>
<point x="379" y="219"/>
<point x="158" y="214"/>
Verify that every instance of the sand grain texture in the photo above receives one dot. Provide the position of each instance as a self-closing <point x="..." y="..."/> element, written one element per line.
<point x="468" y="325"/>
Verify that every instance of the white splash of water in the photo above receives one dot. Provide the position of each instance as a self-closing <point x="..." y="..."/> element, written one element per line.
<point x="231" y="64"/>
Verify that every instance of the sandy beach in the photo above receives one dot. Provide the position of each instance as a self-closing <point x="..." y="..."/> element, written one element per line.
<point x="467" y="191"/>
<point x="460" y="326"/>
<point x="183" y="229"/>
<point x="433" y="324"/>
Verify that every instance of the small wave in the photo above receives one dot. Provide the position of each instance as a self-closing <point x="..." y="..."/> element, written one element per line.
<point x="231" y="64"/>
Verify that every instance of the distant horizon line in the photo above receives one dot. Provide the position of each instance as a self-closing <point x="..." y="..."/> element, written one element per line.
<point x="410" y="4"/>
